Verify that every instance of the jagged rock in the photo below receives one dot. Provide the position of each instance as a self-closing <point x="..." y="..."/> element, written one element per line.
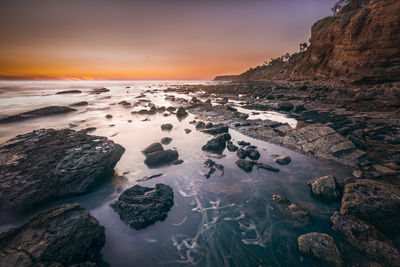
<point x="231" y="147"/>
<point x="79" y="104"/>
<point x="320" y="247"/>
<point x="166" y="127"/>
<point x="241" y="153"/>
<point x="166" y="140"/>
<point x="37" y="113"/>
<point x="161" y="157"/>
<point x="153" y="148"/>
<point x="69" y="92"/>
<point x="283" y="160"/>
<point x="65" y="235"/>
<point x="245" y="165"/>
<point x="141" y="206"/>
<point x="298" y="217"/>
<point x="50" y="164"/>
<point x="374" y="202"/>
<point x="366" y="238"/>
<point x="216" y="144"/>
<point x="181" y="112"/>
<point x="266" y="167"/>
<point x="326" y="188"/>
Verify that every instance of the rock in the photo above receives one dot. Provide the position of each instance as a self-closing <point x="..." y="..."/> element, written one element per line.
<point x="374" y="202"/>
<point x="297" y="216"/>
<point x="216" y="144"/>
<point x="69" y="92"/>
<point x="366" y="238"/>
<point x="124" y="103"/>
<point x="266" y="167"/>
<point x="241" y="153"/>
<point x="283" y="160"/>
<point x="166" y="127"/>
<point x="141" y="206"/>
<point x="245" y="165"/>
<point x="153" y="148"/>
<point x="254" y="154"/>
<point x="320" y="247"/>
<point x="187" y="131"/>
<point x="385" y="170"/>
<point x="177" y="162"/>
<point x="285" y="106"/>
<point x="166" y="140"/>
<point x="226" y="136"/>
<point x="231" y="147"/>
<point x="108" y="116"/>
<point x="216" y="130"/>
<point x="299" y="108"/>
<point x="37" y="113"/>
<point x="212" y="167"/>
<point x="79" y="104"/>
<point x="161" y="157"/>
<point x="181" y="112"/>
<point x="326" y="188"/>
<point x="49" y="164"/>
<point x="243" y="143"/>
<point x="209" y="172"/>
<point x="200" y="125"/>
<point x="65" y="235"/>
<point x="209" y="125"/>
<point x="171" y="109"/>
<point x="97" y="91"/>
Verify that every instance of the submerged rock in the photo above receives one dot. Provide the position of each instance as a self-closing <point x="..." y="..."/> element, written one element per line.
<point x="50" y="164"/>
<point x="161" y="157"/>
<point x="375" y="202"/>
<point x="326" y="188"/>
<point x="320" y="247"/>
<point x="245" y="165"/>
<point x="283" y="160"/>
<point x="37" y="113"/>
<point x="166" y="127"/>
<point x="266" y="167"/>
<point x="297" y="216"/>
<point x="366" y="238"/>
<point x="141" y="206"/>
<point x="216" y="144"/>
<point x="166" y="140"/>
<point x="61" y="236"/>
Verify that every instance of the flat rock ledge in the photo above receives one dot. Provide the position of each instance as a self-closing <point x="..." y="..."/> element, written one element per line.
<point x="37" y="113"/>
<point x="49" y="164"/>
<point x="141" y="206"/>
<point x="61" y="236"/>
<point x="320" y="247"/>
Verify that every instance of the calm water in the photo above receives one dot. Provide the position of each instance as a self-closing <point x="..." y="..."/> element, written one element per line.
<point x="221" y="221"/>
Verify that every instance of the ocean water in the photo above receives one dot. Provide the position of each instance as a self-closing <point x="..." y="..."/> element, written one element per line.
<point x="221" y="221"/>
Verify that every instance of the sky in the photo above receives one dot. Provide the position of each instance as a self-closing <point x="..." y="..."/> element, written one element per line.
<point x="149" y="39"/>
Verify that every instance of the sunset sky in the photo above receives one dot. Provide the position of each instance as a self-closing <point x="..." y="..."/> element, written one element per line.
<point x="149" y="39"/>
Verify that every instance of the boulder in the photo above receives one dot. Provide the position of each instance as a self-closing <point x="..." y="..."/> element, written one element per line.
<point x="295" y="215"/>
<point x="166" y="140"/>
<point x="37" y="113"/>
<point x="216" y="144"/>
<point x="375" y="202"/>
<point x="181" y="112"/>
<point x="366" y="238"/>
<point x="141" y="206"/>
<point x="254" y="154"/>
<point x="161" y="157"/>
<point x="50" y="164"/>
<point x="153" y="148"/>
<point x="326" y="188"/>
<point x="61" y="236"/>
<point x="320" y="247"/>
<point x="231" y="147"/>
<point x="166" y="127"/>
<point x="245" y="165"/>
<point x="283" y="160"/>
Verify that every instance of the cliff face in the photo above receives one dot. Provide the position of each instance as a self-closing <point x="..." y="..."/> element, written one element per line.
<point x="360" y="45"/>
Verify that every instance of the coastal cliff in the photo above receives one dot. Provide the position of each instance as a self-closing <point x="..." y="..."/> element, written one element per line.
<point x="357" y="45"/>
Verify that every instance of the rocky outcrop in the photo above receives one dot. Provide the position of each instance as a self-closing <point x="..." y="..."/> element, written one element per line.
<point x="366" y="238"/>
<point x="141" y="206"/>
<point x="375" y="202"/>
<point x="37" y="113"/>
<point x="61" y="236"/>
<point x="320" y="247"/>
<point x="49" y="164"/>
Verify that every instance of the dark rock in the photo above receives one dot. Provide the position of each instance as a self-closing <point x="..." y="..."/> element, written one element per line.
<point x="226" y="136"/>
<point x="125" y="103"/>
<point x="109" y="116"/>
<point x="320" y="247"/>
<point x="209" y="125"/>
<point x="181" y="112"/>
<point x="166" y="127"/>
<point x="153" y="148"/>
<point x="37" y="113"/>
<point x="254" y="154"/>
<point x="299" y="108"/>
<point x="297" y="216"/>
<point x="243" y="143"/>
<point x="285" y="106"/>
<point x="97" y="91"/>
<point x="65" y="235"/>
<point x="200" y="125"/>
<point x="166" y="140"/>
<point x="50" y="164"/>
<point x="241" y="153"/>
<point x="212" y="167"/>
<point x="79" y="104"/>
<point x="161" y="157"/>
<point x="141" y="206"/>
<point x="149" y="177"/>
<point x="187" y="131"/>
<point x="366" y="238"/>
<point x="266" y="167"/>
<point x="283" y="160"/>
<point x="69" y="92"/>
<point x="374" y="202"/>
<point x="231" y="147"/>
<point x="326" y="188"/>
<point x="177" y="162"/>
<point x="245" y="165"/>
<point x="216" y="130"/>
<point x="209" y="172"/>
<point x="216" y="144"/>
<point x="171" y="109"/>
